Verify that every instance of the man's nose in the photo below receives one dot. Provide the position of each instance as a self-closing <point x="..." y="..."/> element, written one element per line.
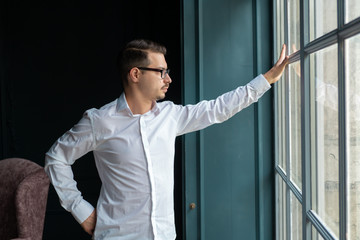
<point x="167" y="78"/>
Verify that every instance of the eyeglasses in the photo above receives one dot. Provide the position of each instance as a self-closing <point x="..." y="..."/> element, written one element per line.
<point x="162" y="71"/>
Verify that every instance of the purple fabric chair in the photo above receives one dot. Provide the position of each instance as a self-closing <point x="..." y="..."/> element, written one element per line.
<point x="24" y="188"/>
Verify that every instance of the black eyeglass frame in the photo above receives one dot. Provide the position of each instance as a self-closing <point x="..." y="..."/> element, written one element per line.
<point x="162" y="71"/>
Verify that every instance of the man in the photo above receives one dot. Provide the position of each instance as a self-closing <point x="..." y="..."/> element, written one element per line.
<point x="132" y="139"/>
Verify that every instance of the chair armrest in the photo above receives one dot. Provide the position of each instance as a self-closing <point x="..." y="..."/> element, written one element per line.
<point x="30" y="200"/>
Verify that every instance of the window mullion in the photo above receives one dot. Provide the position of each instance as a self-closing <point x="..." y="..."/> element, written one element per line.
<point x="320" y="226"/>
<point x="287" y="127"/>
<point x="342" y="122"/>
<point x="305" y="120"/>
<point x="276" y="127"/>
<point x="342" y="141"/>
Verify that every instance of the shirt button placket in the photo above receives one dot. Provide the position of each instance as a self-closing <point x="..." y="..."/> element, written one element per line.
<point x="146" y="146"/>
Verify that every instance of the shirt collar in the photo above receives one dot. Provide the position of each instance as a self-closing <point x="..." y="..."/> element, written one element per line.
<point x="122" y="105"/>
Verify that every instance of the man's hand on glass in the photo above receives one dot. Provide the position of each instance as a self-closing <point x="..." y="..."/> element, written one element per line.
<point x="274" y="74"/>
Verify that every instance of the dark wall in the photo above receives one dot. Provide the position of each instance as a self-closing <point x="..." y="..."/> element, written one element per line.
<point x="59" y="59"/>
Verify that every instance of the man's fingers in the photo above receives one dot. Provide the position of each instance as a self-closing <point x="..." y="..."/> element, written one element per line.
<point x="282" y="55"/>
<point x="89" y="230"/>
<point x="274" y="74"/>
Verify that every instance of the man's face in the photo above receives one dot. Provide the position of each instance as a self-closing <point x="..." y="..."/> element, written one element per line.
<point x="152" y="86"/>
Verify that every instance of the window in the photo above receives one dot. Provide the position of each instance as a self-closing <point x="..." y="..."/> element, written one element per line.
<point x="317" y="120"/>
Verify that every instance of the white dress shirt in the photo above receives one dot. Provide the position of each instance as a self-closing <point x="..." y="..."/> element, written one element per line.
<point x="134" y="155"/>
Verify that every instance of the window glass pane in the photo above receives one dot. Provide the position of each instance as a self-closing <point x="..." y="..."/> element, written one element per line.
<point x="281" y="124"/>
<point x="294" y="25"/>
<point x="325" y="166"/>
<point x="322" y="17"/>
<point x="296" y="218"/>
<point x="280" y="24"/>
<point x="281" y="209"/>
<point x="295" y="123"/>
<point x="352" y="10"/>
<point x="352" y="74"/>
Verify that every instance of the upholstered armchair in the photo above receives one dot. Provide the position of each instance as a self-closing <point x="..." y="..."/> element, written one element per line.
<point x="24" y="188"/>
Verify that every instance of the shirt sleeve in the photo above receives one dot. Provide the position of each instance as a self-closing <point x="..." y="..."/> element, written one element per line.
<point x="75" y="143"/>
<point x="206" y="113"/>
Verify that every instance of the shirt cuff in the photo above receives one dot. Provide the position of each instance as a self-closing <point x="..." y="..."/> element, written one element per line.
<point x="82" y="211"/>
<point x="260" y="83"/>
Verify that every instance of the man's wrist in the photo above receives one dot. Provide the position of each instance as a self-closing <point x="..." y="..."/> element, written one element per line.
<point x="268" y="78"/>
<point x="82" y="211"/>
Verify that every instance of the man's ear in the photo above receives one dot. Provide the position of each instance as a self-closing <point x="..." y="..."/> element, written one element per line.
<point x="134" y="75"/>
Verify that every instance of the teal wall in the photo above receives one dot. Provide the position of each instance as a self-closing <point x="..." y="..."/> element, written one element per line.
<point x="228" y="167"/>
